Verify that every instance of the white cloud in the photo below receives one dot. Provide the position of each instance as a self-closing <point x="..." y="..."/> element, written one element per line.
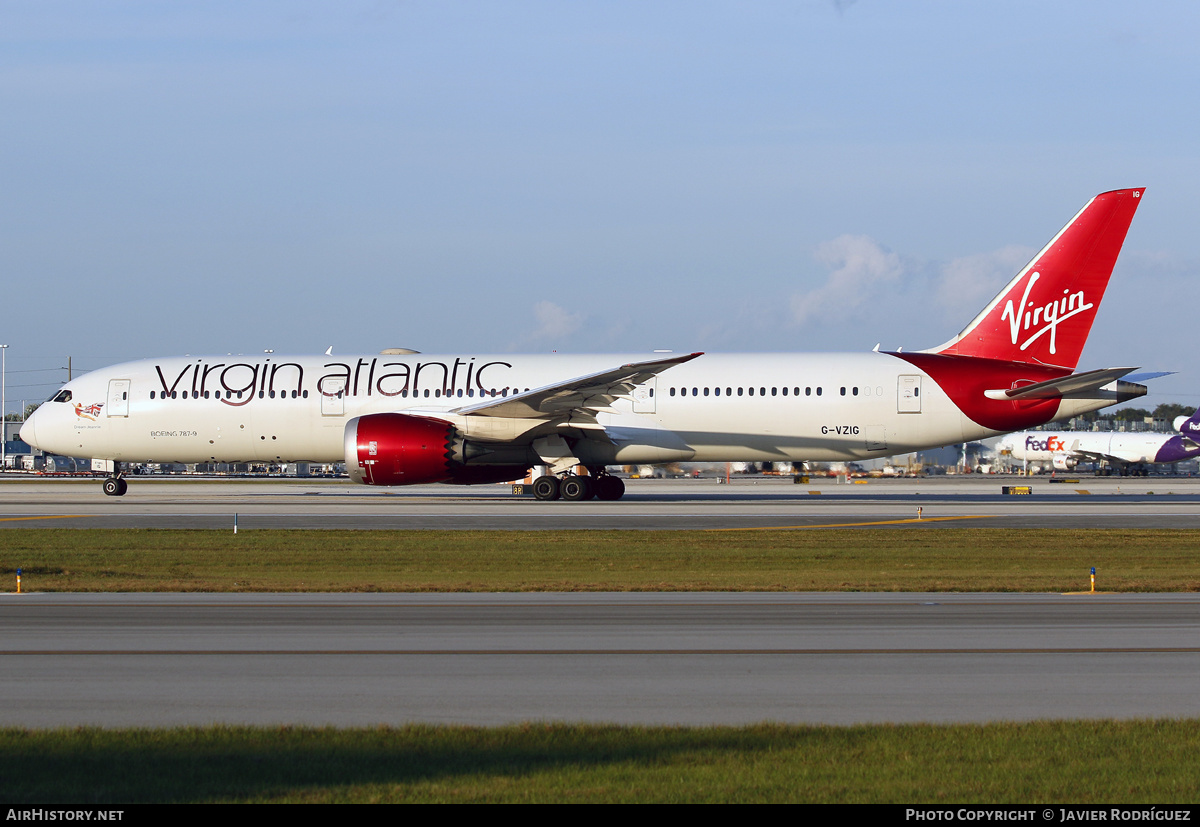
<point x="554" y="322"/>
<point x="968" y="283"/>
<point x="860" y="265"/>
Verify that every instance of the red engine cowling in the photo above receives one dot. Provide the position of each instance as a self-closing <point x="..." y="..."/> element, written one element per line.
<point x="399" y="449"/>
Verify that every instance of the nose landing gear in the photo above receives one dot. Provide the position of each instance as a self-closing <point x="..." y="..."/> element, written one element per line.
<point x="115" y="486"/>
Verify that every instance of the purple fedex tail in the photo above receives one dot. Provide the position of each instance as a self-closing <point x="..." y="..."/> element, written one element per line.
<point x="1190" y="425"/>
<point x="1184" y="446"/>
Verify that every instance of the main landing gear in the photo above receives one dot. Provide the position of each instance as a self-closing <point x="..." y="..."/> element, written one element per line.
<point x="115" y="486"/>
<point x="1123" y="471"/>
<point x="577" y="488"/>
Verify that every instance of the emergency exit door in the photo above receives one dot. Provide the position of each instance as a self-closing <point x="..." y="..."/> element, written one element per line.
<point x="908" y="394"/>
<point x="118" y="397"/>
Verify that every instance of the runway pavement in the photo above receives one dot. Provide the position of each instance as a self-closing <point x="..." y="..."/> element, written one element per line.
<point x="1153" y="502"/>
<point x="158" y="660"/>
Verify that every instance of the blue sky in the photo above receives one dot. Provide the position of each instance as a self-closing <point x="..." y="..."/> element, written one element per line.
<point x="609" y="176"/>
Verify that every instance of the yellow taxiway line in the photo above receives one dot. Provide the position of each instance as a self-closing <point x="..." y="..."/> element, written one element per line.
<point x="854" y="525"/>
<point x="44" y="517"/>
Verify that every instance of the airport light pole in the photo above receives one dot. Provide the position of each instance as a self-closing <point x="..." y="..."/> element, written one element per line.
<point x="3" y="406"/>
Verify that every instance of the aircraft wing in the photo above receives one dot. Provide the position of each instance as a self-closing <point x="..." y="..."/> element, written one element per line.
<point x="1097" y="456"/>
<point x="591" y="393"/>
<point x="1080" y="453"/>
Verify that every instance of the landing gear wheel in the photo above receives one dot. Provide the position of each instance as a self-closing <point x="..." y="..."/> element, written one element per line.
<point x="115" y="487"/>
<point x="577" y="488"/>
<point x="545" y="488"/>
<point x="609" y="488"/>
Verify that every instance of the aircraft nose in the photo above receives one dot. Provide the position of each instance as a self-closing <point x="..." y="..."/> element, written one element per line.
<point x="28" y="433"/>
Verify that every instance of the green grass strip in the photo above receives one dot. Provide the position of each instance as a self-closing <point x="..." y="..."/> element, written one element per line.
<point x="1043" y="763"/>
<point x="941" y="559"/>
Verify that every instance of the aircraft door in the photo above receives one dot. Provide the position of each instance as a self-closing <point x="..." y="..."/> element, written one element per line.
<point x="643" y="396"/>
<point x="908" y="394"/>
<point x="333" y="397"/>
<point x="118" y="397"/>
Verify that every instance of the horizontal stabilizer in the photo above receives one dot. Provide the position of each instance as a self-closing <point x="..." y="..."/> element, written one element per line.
<point x="1148" y="375"/>
<point x="1077" y="384"/>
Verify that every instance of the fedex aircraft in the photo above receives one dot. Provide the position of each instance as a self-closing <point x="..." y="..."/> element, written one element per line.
<point x="1130" y="453"/>
<point x="401" y="417"/>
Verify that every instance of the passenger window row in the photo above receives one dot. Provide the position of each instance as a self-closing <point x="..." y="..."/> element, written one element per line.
<point x="775" y="391"/>
<point x="469" y="392"/>
<point x="228" y="395"/>
<point x="437" y="394"/>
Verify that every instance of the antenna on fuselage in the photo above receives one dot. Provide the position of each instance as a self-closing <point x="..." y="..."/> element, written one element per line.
<point x="329" y="352"/>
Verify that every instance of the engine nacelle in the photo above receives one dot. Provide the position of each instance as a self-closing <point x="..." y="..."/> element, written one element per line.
<point x="1062" y="462"/>
<point x="399" y="449"/>
<point x="402" y="449"/>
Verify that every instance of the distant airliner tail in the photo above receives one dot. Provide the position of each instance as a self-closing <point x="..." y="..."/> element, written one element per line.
<point x="1189" y="426"/>
<point x="1045" y="313"/>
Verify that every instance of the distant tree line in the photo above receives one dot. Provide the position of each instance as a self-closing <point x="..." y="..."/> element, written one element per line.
<point x="29" y="409"/>
<point x="1167" y="411"/>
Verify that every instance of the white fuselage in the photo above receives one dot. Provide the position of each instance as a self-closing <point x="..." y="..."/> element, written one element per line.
<point x="1056" y="447"/>
<point x="738" y="407"/>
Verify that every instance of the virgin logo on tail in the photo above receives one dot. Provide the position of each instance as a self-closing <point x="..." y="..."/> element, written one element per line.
<point x="1048" y="315"/>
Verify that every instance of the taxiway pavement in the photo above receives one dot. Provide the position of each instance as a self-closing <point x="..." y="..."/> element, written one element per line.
<point x="1089" y="502"/>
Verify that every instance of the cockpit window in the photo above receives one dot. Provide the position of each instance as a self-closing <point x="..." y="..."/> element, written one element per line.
<point x="61" y="396"/>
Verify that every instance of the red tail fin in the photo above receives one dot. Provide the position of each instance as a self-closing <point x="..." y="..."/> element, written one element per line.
<point x="1044" y="315"/>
